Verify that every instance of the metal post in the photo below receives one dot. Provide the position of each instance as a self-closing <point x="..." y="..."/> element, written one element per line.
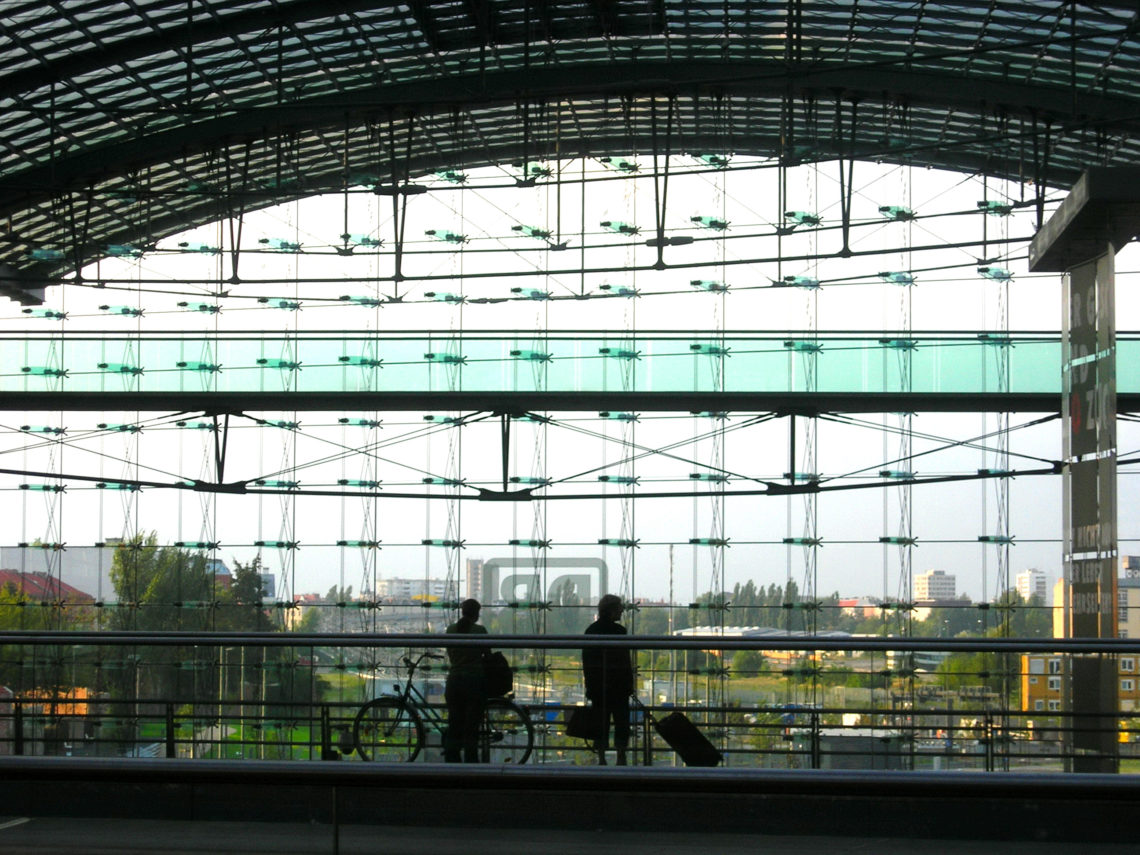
<point x="170" y="746"/>
<point x="327" y="750"/>
<point x="816" y="754"/>
<point x="18" y="727"/>
<point x="646" y="738"/>
<point x="1080" y="239"/>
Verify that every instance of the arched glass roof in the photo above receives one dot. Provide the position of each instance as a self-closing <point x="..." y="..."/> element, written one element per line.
<point x="122" y="122"/>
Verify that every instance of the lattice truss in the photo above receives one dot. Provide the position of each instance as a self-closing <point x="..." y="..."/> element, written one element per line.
<point x="526" y="299"/>
<point x="655" y="297"/>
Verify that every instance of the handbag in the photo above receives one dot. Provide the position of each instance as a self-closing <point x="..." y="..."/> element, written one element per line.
<point x="497" y="674"/>
<point x="585" y="723"/>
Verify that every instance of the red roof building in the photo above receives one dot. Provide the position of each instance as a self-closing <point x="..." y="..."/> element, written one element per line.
<point x="42" y="587"/>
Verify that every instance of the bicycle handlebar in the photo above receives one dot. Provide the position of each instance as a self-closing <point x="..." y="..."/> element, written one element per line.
<point x="407" y="660"/>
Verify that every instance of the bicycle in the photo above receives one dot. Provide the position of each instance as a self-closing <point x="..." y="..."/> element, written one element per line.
<point x="390" y="728"/>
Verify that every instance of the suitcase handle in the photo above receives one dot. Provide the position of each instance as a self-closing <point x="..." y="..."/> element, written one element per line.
<point x="644" y="709"/>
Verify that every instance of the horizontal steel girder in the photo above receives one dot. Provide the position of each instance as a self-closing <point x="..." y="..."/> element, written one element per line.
<point x="792" y="403"/>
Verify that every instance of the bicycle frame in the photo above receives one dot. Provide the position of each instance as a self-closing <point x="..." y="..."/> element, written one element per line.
<point x="414" y="698"/>
<point x="507" y="730"/>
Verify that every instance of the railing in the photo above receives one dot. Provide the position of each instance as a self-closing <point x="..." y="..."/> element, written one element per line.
<point x="765" y="703"/>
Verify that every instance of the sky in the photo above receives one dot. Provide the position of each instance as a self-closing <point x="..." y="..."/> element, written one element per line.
<point x="575" y="449"/>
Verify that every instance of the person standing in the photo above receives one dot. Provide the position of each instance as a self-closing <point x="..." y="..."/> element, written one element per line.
<point x="609" y="679"/>
<point x="466" y="689"/>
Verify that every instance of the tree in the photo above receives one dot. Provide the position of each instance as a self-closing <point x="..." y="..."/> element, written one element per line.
<point x="747" y="663"/>
<point x="17" y="611"/>
<point x="246" y="599"/>
<point x="161" y="589"/>
<point x="1023" y="619"/>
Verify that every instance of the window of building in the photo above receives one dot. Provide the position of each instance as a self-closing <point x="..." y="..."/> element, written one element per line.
<point x="1036" y="666"/>
<point x="1038" y="705"/>
<point x="1054" y="666"/>
<point x="1033" y="681"/>
<point x="1127" y="685"/>
<point x="1127" y="664"/>
<point x="1054" y="684"/>
<point x="1054" y="706"/>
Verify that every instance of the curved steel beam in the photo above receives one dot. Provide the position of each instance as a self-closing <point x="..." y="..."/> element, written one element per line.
<point x="256" y="18"/>
<point x="470" y="92"/>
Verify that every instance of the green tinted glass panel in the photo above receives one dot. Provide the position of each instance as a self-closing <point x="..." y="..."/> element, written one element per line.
<point x="590" y="362"/>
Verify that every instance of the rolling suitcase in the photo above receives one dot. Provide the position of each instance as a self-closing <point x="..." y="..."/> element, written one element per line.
<point x="689" y="743"/>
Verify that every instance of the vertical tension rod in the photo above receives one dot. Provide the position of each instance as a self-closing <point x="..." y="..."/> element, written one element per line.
<point x="791" y="448"/>
<point x="221" y="441"/>
<point x="661" y="180"/>
<point x="505" y="428"/>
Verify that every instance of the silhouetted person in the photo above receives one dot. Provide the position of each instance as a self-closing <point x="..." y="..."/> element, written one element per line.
<point x="609" y="679"/>
<point x="466" y="690"/>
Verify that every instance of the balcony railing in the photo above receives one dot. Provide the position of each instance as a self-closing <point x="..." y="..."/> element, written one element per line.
<point x="784" y="702"/>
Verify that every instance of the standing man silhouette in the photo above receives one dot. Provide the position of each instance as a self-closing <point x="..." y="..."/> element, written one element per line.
<point x="609" y="679"/>
<point x="466" y="690"/>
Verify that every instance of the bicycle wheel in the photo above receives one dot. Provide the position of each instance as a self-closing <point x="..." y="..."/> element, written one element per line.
<point x="387" y="730"/>
<point x="507" y="735"/>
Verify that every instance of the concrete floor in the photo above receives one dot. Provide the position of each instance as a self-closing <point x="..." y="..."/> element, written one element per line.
<point x="48" y="836"/>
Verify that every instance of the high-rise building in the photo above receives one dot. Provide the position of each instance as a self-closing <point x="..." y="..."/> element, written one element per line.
<point x="1130" y="566"/>
<point x="475" y="579"/>
<point x="935" y="585"/>
<point x="1032" y="583"/>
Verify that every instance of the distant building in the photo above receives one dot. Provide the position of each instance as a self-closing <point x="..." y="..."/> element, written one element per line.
<point x="1042" y="683"/>
<point x="218" y="567"/>
<point x="860" y="607"/>
<point x="222" y="574"/>
<point x="475" y="579"/>
<point x="1130" y="566"/>
<point x="301" y="603"/>
<point x="759" y="633"/>
<point x="403" y="590"/>
<point x="42" y="587"/>
<point x="935" y="585"/>
<point x="85" y="568"/>
<point x="1033" y="583"/>
<point x="1128" y="607"/>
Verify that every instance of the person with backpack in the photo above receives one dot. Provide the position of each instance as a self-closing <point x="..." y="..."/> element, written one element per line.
<point x="466" y="689"/>
<point x="609" y="680"/>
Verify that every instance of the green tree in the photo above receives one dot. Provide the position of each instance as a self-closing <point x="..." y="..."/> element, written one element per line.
<point x="962" y="669"/>
<point x="747" y="663"/>
<point x="245" y="599"/>
<point x="161" y="589"/>
<point x="18" y="611"/>
<point x="1022" y="619"/>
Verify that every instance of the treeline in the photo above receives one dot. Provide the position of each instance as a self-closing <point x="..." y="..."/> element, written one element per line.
<point x="157" y="589"/>
<point x="784" y="607"/>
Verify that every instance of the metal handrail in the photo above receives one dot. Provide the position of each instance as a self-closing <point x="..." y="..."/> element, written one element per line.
<point x="114" y="638"/>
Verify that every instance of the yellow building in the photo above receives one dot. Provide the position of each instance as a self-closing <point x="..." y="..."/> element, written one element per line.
<point x="1042" y="676"/>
